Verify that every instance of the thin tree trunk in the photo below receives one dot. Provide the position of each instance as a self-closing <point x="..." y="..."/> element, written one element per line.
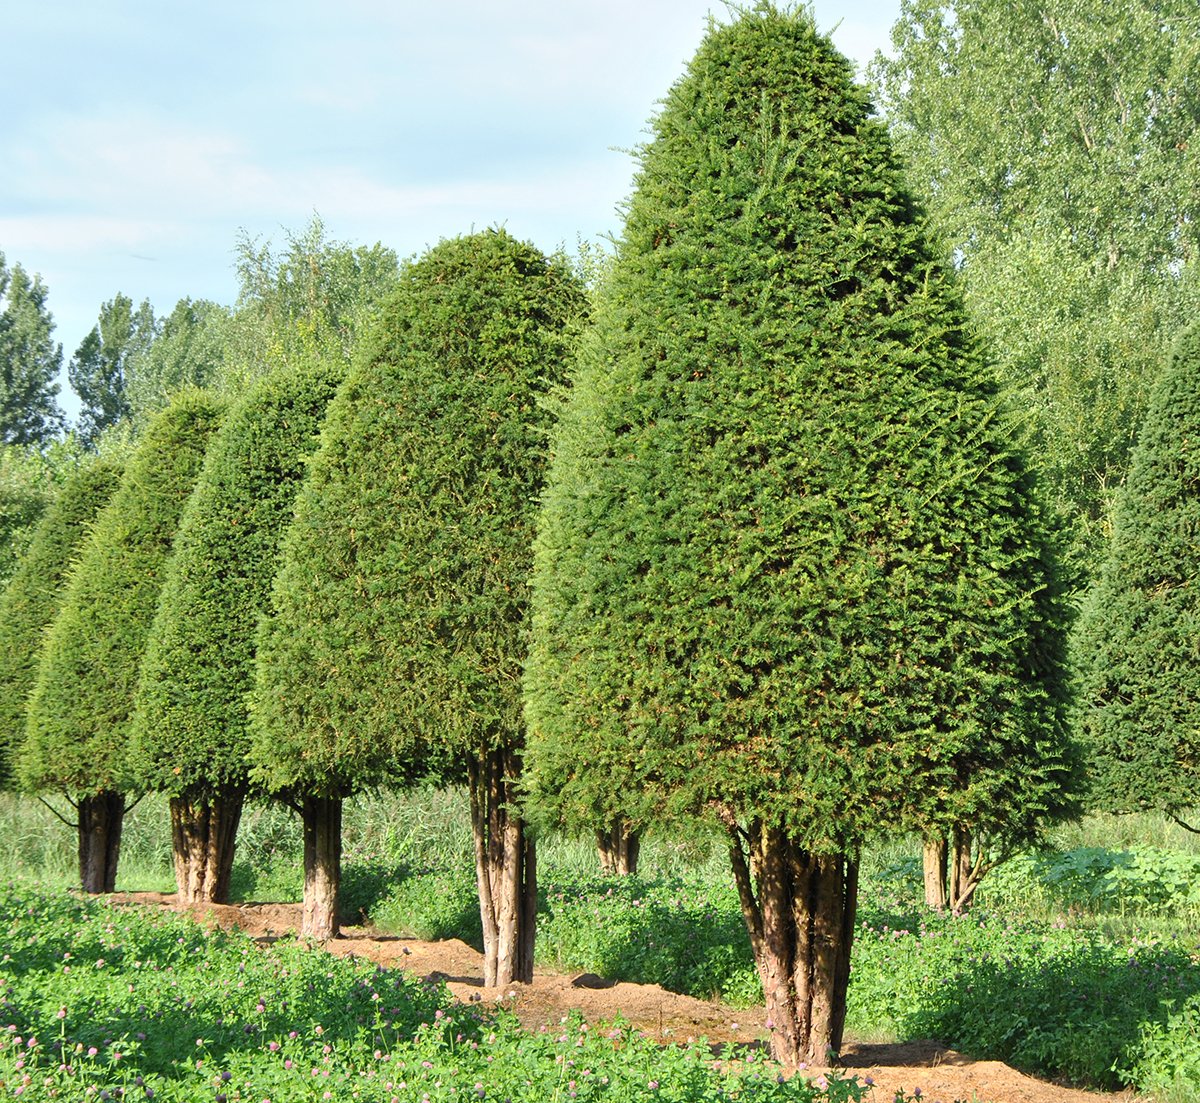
<point x="505" y="870"/>
<point x="322" y="818"/>
<point x="935" y="873"/>
<point x="202" y="841"/>
<point x="965" y="872"/>
<point x="799" y="908"/>
<point x="618" y="846"/>
<point x="101" y="818"/>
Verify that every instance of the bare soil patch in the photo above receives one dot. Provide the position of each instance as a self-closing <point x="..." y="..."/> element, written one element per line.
<point x="941" y="1074"/>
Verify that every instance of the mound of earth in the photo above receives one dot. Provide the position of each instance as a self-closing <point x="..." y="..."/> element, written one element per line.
<point x="940" y="1074"/>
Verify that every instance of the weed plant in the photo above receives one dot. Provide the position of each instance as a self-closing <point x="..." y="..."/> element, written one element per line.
<point x="108" y="1003"/>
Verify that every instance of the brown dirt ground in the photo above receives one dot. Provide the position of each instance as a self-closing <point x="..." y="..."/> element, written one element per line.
<point x="941" y="1074"/>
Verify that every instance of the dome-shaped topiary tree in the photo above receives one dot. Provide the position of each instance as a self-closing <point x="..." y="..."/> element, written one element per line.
<point x="400" y="624"/>
<point x="79" y="712"/>
<point x="189" y="736"/>
<point x="789" y="573"/>
<point x="1137" y="643"/>
<point x="33" y="594"/>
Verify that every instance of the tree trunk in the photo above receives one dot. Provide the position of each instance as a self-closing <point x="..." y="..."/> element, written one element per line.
<point x="618" y="847"/>
<point x="202" y="839"/>
<point x="965" y="872"/>
<point x="799" y="908"/>
<point x="322" y="818"/>
<point x="935" y="873"/>
<point x="101" y="818"/>
<point x="505" y="870"/>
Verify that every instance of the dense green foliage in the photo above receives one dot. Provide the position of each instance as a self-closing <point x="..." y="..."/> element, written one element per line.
<point x="791" y="563"/>
<point x="31" y="599"/>
<point x="1044" y="998"/>
<point x="1135" y="647"/>
<point x="399" y="624"/>
<point x="190" y="727"/>
<point x="101" y="999"/>
<point x="29" y="360"/>
<point x="82" y="701"/>
<point x="1055" y="144"/>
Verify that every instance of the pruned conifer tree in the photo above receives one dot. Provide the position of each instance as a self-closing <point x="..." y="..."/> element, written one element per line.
<point x="190" y="733"/>
<point x="790" y="571"/>
<point x="78" y="720"/>
<point x="32" y="597"/>
<point x="400" y="619"/>
<point x="1136" y="642"/>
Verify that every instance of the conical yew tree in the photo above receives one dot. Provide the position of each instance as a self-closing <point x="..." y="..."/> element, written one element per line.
<point x="789" y="573"/>
<point x="33" y="594"/>
<point x="189" y="736"/>
<point x="79" y="713"/>
<point x="401" y="607"/>
<point x="1136" y="641"/>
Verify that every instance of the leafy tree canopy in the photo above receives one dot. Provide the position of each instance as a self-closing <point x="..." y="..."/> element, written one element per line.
<point x="791" y="564"/>
<point x="399" y="622"/>
<point x="79" y="711"/>
<point x="1056" y="144"/>
<point x="29" y="360"/>
<point x="99" y="369"/>
<point x="1136" y="642"/>
<point x="189" y="733"/>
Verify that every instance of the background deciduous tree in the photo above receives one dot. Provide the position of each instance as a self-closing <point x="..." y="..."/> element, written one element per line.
<point x="791" y="572"/>
<point x="99" y="370"/>
<point x="29" y="360"/>
<point x="1056" y="144"/>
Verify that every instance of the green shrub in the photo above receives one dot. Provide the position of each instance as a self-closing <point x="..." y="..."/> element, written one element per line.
<point x="82" y="701"/>
<point x="31" y="599"/>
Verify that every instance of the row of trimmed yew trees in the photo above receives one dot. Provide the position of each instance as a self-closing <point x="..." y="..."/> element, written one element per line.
<point x="778" y="563"/>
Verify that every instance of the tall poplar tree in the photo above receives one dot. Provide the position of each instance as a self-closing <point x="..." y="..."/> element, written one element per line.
<point x="1136" y="644"/>
<point x="790" y="572"/>
<point x="189" y="736"/>
<point x="29" y="360"/>
<point x="79" y="713"/>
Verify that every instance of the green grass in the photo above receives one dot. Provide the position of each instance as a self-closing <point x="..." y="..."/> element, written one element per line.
<point x="103" y="1002"/>
<point x="1098" y="980"/>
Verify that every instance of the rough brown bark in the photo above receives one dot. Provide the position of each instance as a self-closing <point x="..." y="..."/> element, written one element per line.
<point x="800" y="910"/>
<point x="935" y="873"/>
<point x="505" y="870"/>
<point x="322" y="818"/>
<point x="101" y="818"/>
<point x="202" y="841"/>
<point x="618" y="846"/>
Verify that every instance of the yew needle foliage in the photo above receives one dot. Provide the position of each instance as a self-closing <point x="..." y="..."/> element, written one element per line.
<point x="791" y="562"/>
<point x="400" y="608"/>
<point x="82" y="702"/>
<point x="1136" y="646"/>
<point x="190" y="729"/>
<point x="31" y="599"/>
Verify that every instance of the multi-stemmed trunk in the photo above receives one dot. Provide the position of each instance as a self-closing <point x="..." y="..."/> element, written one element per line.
<point x="505" y="869"/>
<point x="101" y="817"/>
<point x="618" y="846"/>
<point x="202" y="842"/>
<point x="322" y="817"/>
<point x="799" y="908"/>
<point x="952" y="871"/>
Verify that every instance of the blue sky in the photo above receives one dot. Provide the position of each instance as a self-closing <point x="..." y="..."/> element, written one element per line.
<point x="139" y="138"/>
